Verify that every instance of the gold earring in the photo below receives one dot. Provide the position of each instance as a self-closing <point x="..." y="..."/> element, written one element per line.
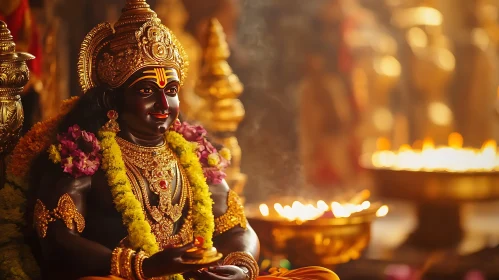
<point x="111" y="125"/>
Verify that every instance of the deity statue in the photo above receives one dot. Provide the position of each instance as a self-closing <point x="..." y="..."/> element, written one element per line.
<point x="115" y="187"/>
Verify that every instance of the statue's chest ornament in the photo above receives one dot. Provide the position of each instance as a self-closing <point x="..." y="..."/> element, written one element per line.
<point x="153" y="169"/>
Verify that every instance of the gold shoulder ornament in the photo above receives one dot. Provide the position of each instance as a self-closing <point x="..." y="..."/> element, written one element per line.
<point x="234" y="216"/>
<point x="65" y="211"/>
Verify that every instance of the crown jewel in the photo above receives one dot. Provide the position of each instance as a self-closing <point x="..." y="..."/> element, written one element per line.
<point x="138" y="40"/>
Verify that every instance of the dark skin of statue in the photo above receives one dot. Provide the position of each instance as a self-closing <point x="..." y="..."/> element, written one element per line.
<point x="147" y="112"/>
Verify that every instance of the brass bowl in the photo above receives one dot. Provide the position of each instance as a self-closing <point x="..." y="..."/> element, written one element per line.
<point x="441" y="186"/>
<point x="324" y="241"/>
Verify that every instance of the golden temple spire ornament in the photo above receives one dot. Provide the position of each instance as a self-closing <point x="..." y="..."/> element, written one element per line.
<point x="221" y="110"/>
<point x="14" y="75"/>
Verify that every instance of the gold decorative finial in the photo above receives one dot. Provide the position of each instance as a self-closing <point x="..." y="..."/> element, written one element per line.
<point x="218" y="84"/>
<point x="14" y="75"/>
<point x="136" y="4"/>
<point x="221" y="110"/>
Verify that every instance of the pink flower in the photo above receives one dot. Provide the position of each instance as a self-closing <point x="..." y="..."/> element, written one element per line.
<point x="67" y="164"/>
<point x="87" y="166"/>
<point x="80" y="152"/>
<point x="196" y="133"/>
<point x="191" y="133"/>
<point x="74" y="131"/>
<point x="67" y="147"/>
<point x="214" y="175"/>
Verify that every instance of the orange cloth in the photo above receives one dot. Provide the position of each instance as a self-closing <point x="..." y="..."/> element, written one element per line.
<point x="305" y="273"/>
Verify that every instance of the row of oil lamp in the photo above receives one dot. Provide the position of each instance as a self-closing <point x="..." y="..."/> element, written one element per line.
<point x="300" y="212"/>
<point x="451" y="158"/>
<point x="308" y="221"/>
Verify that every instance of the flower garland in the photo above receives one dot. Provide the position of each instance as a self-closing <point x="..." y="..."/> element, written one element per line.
<point x="203" y="219"/>
<point x="16" y="259"/>
<point x="78" y="152"/>
<point x="212" y="161"/>
<point x="139" y="230"/>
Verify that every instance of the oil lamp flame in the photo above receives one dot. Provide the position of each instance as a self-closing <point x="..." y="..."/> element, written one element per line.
<point x="451" y="158"/>
<point x="264" y="209"/>
<point x="301" y="212"/>
<point x="382" y="211"/>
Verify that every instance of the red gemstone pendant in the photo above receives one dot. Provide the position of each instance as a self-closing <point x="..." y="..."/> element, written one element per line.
<point x="163" y="184"/>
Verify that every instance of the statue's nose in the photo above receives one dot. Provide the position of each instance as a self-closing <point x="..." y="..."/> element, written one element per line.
<point x="162" y="103"/>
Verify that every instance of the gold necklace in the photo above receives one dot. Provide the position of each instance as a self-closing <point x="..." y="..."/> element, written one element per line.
<point x="156" y="164"/>
<point x="153" y="163"/>
<point x="163" y="230"/>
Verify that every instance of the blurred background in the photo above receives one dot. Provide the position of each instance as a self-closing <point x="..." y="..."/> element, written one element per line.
<point x="339" y="96"/>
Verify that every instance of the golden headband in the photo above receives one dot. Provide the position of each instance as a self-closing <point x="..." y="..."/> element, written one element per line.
<point x="138" y="40"/>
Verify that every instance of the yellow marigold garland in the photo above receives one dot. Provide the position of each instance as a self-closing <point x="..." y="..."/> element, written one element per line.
<point x="54" y="154"/>
<point x="139" y="230"/>
<point x="203" y="219"/>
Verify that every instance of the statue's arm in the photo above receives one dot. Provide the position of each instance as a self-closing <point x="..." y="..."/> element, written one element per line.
<point x="63" y="249"/>
<point x="234" y="238"/>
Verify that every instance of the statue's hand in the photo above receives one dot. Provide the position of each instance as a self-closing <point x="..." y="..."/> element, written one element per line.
<point x="224" y="272"/>
<point x="167" y="262"/>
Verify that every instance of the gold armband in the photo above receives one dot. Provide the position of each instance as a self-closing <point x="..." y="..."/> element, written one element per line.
<point x="243" y="259"/>
<point x="65" y="211"/>
<point x="234" y="215"/>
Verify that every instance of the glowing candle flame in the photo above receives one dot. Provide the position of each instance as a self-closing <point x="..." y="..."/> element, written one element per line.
<point x="382" y="211"/>
<point x="451" y="158"/>
<point x="300" y="212"/>
<point x="322" y="205"/>
<point x="264" y="209"/>
<point x="365" y="205"/>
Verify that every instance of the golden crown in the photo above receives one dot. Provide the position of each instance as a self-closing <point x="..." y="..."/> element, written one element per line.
<point x="110" y="56"/>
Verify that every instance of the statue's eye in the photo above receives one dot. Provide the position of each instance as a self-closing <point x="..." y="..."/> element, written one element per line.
<point x="172" y="91"/>
<point x="145" y="91"/>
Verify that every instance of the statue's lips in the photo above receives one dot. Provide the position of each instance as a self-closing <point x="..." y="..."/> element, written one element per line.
<point x="159" y="115"/>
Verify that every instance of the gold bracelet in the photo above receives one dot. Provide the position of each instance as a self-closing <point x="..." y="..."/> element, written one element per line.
<point x="126" y="264"/>
<point x="115" y="261"/>
<point x="138" y="261"/>
<point x="243" y="259"/>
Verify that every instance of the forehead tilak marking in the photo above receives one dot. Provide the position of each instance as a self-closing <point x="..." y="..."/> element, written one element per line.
<point x="160" y="75"/>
